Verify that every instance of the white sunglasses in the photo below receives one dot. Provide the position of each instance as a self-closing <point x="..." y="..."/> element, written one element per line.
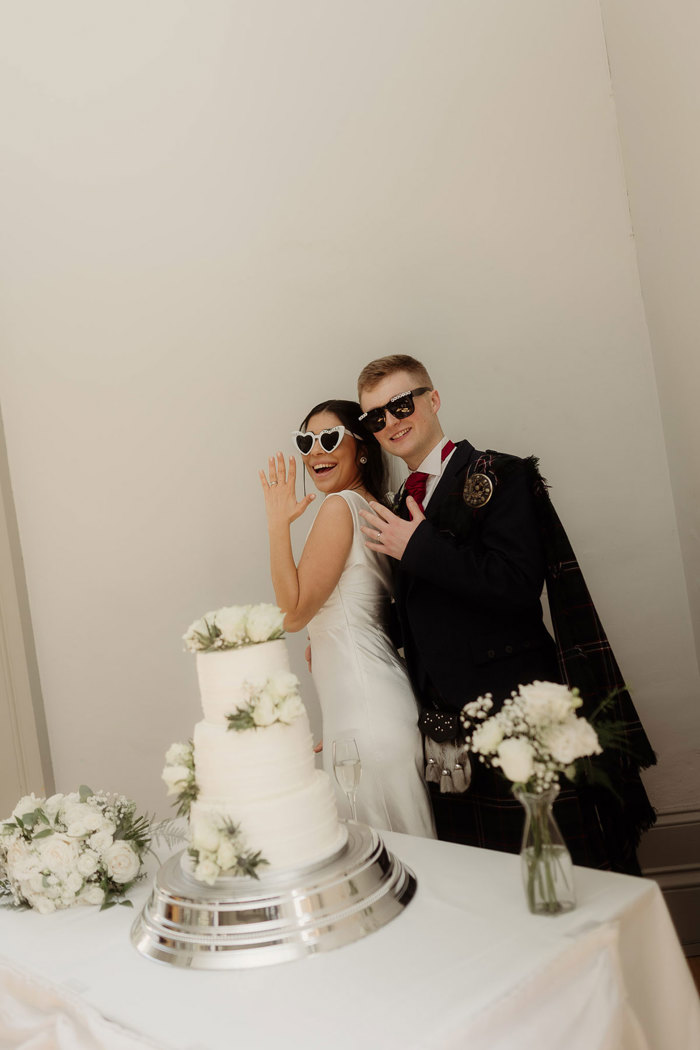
<point x="327" y="439"/>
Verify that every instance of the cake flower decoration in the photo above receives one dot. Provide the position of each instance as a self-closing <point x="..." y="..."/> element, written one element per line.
<point x="234" y="626"/>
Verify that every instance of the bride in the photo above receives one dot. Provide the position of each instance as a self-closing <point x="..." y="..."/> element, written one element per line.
<point x="340" y="592"/>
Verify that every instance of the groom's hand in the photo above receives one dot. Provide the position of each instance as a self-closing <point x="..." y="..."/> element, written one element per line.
<point x="387" y="533"/>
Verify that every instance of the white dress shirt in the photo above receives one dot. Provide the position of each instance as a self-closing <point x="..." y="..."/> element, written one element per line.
<point x="433" y="465"/>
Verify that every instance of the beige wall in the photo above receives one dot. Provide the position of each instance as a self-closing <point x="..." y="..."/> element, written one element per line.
<point x="653" y="51"/>
<point x="214" y="214"/>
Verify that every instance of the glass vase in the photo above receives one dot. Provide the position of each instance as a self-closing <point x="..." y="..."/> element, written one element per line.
<point x="547" y="869"/>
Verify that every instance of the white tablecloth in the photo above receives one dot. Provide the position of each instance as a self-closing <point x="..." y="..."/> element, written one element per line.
<point x="464" y="966"/>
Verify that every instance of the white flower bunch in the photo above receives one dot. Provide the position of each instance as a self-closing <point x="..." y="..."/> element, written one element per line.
<point x="233" y="627"/>
<point x="85" y="847"/>
<point x="268" y="700"/>
<point x="179" y="777"/>
<point x="218" y="849"/>
<point x="534" y="737"/>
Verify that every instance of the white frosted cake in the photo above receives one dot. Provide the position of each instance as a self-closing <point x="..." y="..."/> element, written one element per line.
<point x="256" y="801"/>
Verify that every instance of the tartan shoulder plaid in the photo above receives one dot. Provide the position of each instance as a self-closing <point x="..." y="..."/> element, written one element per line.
<point x="587" y="662"/>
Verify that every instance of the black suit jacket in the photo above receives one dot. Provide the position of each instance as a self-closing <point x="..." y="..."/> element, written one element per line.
<point x="468" y="591"/>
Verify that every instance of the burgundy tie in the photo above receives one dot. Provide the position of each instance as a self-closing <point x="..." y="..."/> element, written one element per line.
<point x="417" y="482"/>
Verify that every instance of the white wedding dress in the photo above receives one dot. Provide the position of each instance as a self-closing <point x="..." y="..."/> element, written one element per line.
<point x="365" y="693"/>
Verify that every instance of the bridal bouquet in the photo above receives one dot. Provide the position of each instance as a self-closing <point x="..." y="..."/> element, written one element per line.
<point x="85" y="847"/>
<point x="532" y="740"/>
<point x="233" y="627"/>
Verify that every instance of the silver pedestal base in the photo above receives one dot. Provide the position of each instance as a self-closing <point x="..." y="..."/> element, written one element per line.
<point x="242" y="923"/>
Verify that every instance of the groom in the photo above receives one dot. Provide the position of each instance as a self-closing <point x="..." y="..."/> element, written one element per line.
<point x="468" y="554"/>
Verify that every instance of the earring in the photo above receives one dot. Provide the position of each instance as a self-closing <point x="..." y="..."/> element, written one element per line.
<point x="363" y="459"/>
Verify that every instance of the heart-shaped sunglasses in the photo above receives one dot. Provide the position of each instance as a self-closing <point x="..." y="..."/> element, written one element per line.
<point x="327" y="439"/>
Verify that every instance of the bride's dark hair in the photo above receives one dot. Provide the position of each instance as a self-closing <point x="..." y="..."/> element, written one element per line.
<point x="373" y="472"/>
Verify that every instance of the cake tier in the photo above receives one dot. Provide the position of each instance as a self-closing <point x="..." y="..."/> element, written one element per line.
<point x="253" y="764"/>
<point x="222" y="674"/>
<point x="291" y="831"/>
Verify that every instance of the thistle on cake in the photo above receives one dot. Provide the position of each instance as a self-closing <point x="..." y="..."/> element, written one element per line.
<point x="218" y="848"/>
<point x="234" y="626"/>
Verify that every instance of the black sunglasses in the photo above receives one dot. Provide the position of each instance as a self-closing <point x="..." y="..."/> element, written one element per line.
<point x="400" y="406"/>
<point x="327" y="439"/>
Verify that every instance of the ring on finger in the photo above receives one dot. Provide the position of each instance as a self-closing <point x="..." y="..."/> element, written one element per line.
<point x="272" y="483"/>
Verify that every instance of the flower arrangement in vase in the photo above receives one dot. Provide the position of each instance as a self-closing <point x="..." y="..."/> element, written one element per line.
<point x="534" y="738"/>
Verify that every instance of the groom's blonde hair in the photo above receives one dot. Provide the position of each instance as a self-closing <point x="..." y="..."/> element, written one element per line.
<point x="382" y="367"/>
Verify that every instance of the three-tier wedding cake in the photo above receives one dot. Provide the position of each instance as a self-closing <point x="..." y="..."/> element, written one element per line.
<point x="256" y="801"/>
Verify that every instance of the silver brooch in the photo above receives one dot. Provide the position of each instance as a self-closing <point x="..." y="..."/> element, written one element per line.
<point x="478" y="490"/>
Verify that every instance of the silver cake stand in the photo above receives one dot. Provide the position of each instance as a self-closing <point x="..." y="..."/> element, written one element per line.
<point x="240" y="923"/>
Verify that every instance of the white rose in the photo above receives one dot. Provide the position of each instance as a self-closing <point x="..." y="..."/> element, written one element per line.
<point x="290" y="709"/>
<point x="178" y="755"/>
<point x="207" y="871"/>
<point x="264" y="621"/>
<point x="264" y="713"/>
<point x="283" y="684"/>
<point x="226" y="855"/>
<point x="52" y="806"/>
<point x="58" y="853"/>
<point x="487" y="737"/>
<point x="93" y="895"/>
<point x="570" y="740"/>
<point x="121" y="861"/>
<point x="544" y="702"/>
<point x="101" y="840"/>
<point x="27" y="804"/>
<point x="517" y="759"/>
<point x="206" y="837"/>
<point x="74" y="883"/>
<point x="67" y="804"/>
<point x="176" y="778"/>
<point x="88" y="862"/>
<point x="20" y="859"/>
<point x="79" y="829"/>
<point x="74" y="813"/>
<point x="33" y="882"/>
<point x="42" y="904"/>
<point x="231" y="621"/>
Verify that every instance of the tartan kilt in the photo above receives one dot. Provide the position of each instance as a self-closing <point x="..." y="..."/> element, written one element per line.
<point x="489" y="816"/>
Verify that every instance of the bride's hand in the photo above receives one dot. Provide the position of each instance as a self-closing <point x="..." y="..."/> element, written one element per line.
<point x="281" y="504"/>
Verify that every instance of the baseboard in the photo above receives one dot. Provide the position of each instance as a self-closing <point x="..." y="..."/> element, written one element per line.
<point x="670" y="854"/>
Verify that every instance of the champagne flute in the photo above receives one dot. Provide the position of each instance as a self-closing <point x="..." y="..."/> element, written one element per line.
<point x="348" y="769"/>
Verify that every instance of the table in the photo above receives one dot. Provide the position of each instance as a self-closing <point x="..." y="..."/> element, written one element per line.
<point x="464" y="966"/>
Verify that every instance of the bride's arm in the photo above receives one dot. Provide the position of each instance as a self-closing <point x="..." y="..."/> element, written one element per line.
<point x="300" y="592"/>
